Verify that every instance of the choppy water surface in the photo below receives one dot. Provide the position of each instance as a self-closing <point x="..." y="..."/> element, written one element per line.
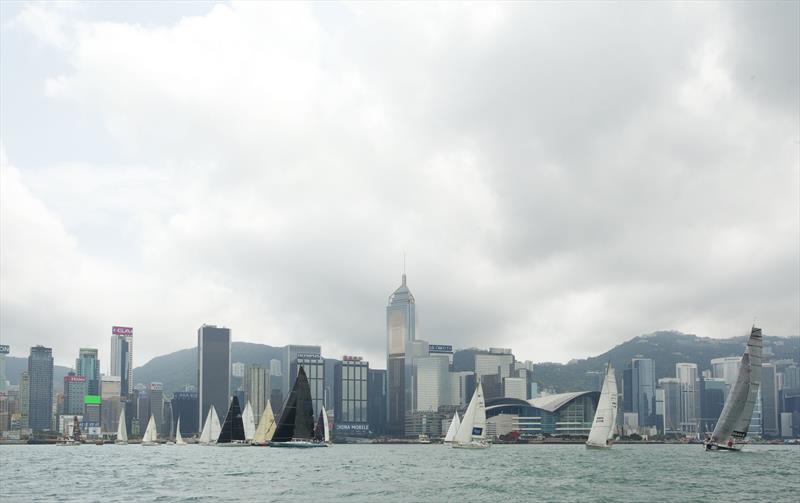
<point x="397" y="473"/>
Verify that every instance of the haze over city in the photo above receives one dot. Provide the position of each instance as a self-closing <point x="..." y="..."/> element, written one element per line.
<point x="559" y="180"/>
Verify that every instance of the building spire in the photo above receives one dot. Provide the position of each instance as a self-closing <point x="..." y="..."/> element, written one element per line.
<point x="404" y="268"/>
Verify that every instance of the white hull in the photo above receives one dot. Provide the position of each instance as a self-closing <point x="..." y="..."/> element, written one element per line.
<point x="472" y="445"/>
<point x="120" y="442"/>
<point x="598" y="446"/>
<point x="67" y="444"/>
<point x="149" y="444"/>
<point x="298" y="444"/>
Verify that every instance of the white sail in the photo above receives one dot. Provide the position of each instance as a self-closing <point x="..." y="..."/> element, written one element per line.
<point x="266" y="426"/>
<point x="150" y="434"/>
<point x="606" y="414"/>
<point x="249" y="422"/>
<point x="122" y="431"/>
<point x="216" y="429"/>
<point x="735" y="417"/>
<point x="473" y="427"/>
<point x="178" y="437"/>
<point x="205" y="435"/>
<point x="453" y="428"/>
<point x="325" y="425"/>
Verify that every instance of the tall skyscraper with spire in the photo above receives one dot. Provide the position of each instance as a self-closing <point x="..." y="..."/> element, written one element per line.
<point x="400" y="331"/>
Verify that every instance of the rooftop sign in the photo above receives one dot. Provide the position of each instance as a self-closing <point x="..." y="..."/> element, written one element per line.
<point x="5" y="349"/>
<point x="92" y="400"/>
<point x="122" y="331"/>
<point x="440" y="348"/>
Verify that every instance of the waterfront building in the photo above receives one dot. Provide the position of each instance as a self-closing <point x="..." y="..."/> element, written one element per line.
<point x="500" y="362"/>
<point x="24" y="400"/>
<point x="74" y="394"/>
<point x="562" y="415"/>
<point x="122" y="357"/>
<point x="458" y="388"/>
<point x="400" y="331"/>
<point x="92" y="412"/>
<point x="314" y="366"/>
<point x="726" y="368"/>
<point x="690" y="399"/>
<point x="640" y="391"/>
<point x="515" y="387"/>
<point x="142" y="409"/>
<point x="110" y="394"/>
<point x="4" y="350"/>
<point x="288" y="357"/>
<point x="213" y="370"/>
<point x="351" y="396"/>
<point x="769" y="400"/>
<point x="88" y="366"/>
<point x="376" y="401"/>
<point x="257" y="389"/>
<point x="156" y="395"/>
<point x="431" y="380"/>
<point x="184" y="406"/>
<point x="712" y="399"/>
<point x="442" y="350"/>
<point x="40" y="401"/>
<point x="671" y="389"/>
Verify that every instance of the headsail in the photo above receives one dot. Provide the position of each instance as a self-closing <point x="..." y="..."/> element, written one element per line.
<point x="151" y="433"/>
<point x="606" y="414"/>
<point x="215" y="427"/>
<point x="249" y="422"/>
<point x="205" y="435"/>
<point x="122" y="430"/>
<point x="735" y="417"/>
<point x="453" y="428"/>
<point x="266" y="426"/>
<point x="325" y="426"/>
<point x="297" y="417"/>
<point x="178" y="437"/>
<point x="233" y="428"/>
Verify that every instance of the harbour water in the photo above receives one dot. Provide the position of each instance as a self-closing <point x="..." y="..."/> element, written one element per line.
<point x="352" y="473"/>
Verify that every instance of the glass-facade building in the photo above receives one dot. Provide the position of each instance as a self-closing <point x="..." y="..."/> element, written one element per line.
<point x="213" y="370"/>
<point x="400" y="331"/>
<point x="376" y="401"/>
<point x="671" y="388"/>
<point x="74" y="394"/>
<point x="122" y="358"/>
<point x="184" y="407"/>
<point x="643" y="390"/>
<point x="40" y="388"/>
<point x="314" y="365"/>
<point x="351" y="392"/>
<point x="88" y="366"/>
<point x="564" y="415"/>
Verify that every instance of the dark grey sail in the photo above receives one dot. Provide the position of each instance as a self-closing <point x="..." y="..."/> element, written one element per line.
<point x="319" y="430"/>
<point x="233" y="428"/>
<point x="297" y="417"/>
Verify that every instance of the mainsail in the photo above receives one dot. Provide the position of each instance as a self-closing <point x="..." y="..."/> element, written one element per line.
<point x="249" y="422"/>
<point x="319" y="429"/>
<point x="122" y="431"/>
<point x="325" y="426"/>
<point x="453" y="428"/>
<point x="233" y="428"/>
<point x="266" y="426"/>
<point x="211" y="428"/>
<point x="606" y="414"/>
<point x="473" y="427"/>
<point x="150" y="434"/>
<point x="735" y="417"/>
<point x="297" y="418"/>
<point x="178" y="437"/>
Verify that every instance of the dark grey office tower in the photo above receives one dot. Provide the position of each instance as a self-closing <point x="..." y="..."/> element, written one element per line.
<point x="769" y="400"/>
<point x="184" y="407"/>
<point x="639" y="388"/>
<point x="213" y="371"/>
<point x="351" y="392"/>
<point x="156" y="395"/>
<point x="40" y="403"/>
<point x="376" y="401"/>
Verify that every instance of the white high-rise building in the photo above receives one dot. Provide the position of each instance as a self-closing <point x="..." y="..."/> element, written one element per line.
<point x="514" y="387"/>
<point x="122" y="358"/>
<point x="690" y="398"/>
<point x="432" y="382"/>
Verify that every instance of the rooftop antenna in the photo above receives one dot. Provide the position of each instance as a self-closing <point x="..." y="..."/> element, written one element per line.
<point x="404" y="267"/>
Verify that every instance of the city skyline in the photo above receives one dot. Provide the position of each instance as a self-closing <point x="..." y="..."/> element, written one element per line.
<point x="558" y="207"/>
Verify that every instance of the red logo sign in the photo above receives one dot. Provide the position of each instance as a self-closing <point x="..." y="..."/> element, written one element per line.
<point x="122" y="330"/>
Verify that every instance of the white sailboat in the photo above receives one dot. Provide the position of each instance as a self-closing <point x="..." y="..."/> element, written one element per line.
<point x="735" y="417"/>
<point x="178" y="438"/>
<point x="605" y="416"/>
<point x="122" y="431"/>
<point x="326" y="427"/>
<point x="266" y="426"/>
<point x="211" y="428"/>
<point x="471" y="433"/>
<point x="249" y="422"/>
<point x="452" y="429"/>
<point x="150" y="434"/>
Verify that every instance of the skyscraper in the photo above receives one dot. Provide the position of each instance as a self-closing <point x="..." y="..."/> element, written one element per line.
<point x="671" y="389"/>
<point x="769" y="400"/>
<point x="400" y="331"/>
<point x="184" y="407"/>
<point x="88" y="366"/>
<point x="289" y="356"/>
<point x="376" y="401"/>
<point x="40" y="401"/>
<point x="4" y="350"/>
<point x="122" y="358"/>
<point x="213" y="370"/>
<point x="690" y="398"/>
<point x="643" y="390"/>
<point x="314" y="366"/>
<point x="257" y="389"/>
<point x="156" y="394"/>
<point x="351" y="392"/>
<point x="74" y="394"/>
<point x="24" y="399"/>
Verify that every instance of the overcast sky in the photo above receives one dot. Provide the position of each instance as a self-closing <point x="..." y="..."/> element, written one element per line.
<point x="561" y="176"/>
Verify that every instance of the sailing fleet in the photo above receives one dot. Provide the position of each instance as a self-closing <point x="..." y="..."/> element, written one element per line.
<point x="297" y="428"/>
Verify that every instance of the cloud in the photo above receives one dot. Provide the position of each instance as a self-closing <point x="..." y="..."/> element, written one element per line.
<point x="561" y="179"/>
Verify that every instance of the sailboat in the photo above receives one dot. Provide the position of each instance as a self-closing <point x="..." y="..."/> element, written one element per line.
<point x="735" y="417"/>
<point x="602" y="432"/>
<point x="452" y="429"/>
<point x="296" y="424"/>
<point x="73" y="437"/>
<point x="471" y="433"/>
<point x="122" y="430"/>
<point x="232" y="434"/>
<point x="321" y="433"/>
<point x="249" y="422"/>
<point x="211" y="428"/>
<point x="266" y="426"/>
<point x="150" y="434"/>
<point x="178" y="438"/>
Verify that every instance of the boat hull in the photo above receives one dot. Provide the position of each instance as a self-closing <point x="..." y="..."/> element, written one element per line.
<point x="149" y="444"/>
<point x="298" y="444"/>
<point x="232" y="444"/>
<point x="712" y="447"/>
<point x="472" y="445"/>
<point x="598" y="446"/>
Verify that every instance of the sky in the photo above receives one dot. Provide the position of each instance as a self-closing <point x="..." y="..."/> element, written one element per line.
<point x="560" y="177"/>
